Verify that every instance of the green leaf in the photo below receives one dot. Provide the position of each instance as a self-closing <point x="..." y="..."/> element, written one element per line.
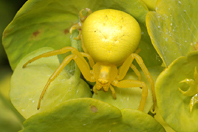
<point x="173" y="28"/>
<point x="159" y="118"/>
<point x="90" y="115"/>
<point x="151" y="4"/>
<point x="27" y="84"/>
<point x="173" y="105"/>
<point x="46" y="23"/>
<point x="6" y="14"/>
<point x="10" y="119"/>
<point x="130" y="97"/>
<point x="5" y="82"/>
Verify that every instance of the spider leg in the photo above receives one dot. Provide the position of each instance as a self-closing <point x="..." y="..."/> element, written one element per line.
<point x="74" y="27"/>
<point x="138" y="51"/>
<point x="134" y="83"/>
<point x="94" y="89"/>
<point x="54" y="75"/>
<point x="79" y="24"/>
<point x="91" y="61"/>
<point x="136" y="71"/>
<point x="62" y="51"/>
<point x="128" y="63"/>
<point x="125" y="67"/>
<point x="76" y="56"/>
<point x="47" y="54"/>
<point x="82" y="17"/>
<point x="83" y="45"/>
<point x="113" y="91"/>
<point x="147" y="74"/>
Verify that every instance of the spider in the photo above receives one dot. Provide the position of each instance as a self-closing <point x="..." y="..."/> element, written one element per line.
<point x="109" y="39"/>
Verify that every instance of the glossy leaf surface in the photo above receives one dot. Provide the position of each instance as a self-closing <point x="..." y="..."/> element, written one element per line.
<point x="173" y="28"/>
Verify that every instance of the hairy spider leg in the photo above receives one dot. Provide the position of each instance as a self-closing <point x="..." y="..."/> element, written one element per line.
<point x="82" y="17"/>
<point x="134" y="83"/>
<point x="77" y="56"/>
<point x="79" y="37"/>
<point x="79" y="24"/>
<point x="128" y="62"/>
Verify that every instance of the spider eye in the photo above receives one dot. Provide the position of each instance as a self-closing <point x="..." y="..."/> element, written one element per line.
<point x="103" y="81"/>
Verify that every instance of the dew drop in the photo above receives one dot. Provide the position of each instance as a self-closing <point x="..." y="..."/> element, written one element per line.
<point x="77" y="91"/>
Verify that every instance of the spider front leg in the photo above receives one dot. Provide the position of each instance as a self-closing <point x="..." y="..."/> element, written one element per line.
<point x="82" y="17"/>
<point x="134" y="83"/>
<point x="147" y="74"/>
<point x="125" y="67"/>
<point x="128" y="63"/>
<point x="79" y="27"/>
<point x="76" y="56"/>
<point x="79" y="24"/>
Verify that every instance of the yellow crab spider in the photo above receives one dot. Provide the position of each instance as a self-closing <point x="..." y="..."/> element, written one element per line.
<point x="109" y="39"/>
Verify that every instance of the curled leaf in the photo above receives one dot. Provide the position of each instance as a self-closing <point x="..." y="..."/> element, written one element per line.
<point x="192" y="89"/>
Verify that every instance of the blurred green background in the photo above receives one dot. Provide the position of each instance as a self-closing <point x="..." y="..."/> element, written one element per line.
<point x="10" y="119"/>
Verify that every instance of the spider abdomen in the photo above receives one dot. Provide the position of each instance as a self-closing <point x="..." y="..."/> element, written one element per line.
<point x="110" y="36"/>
